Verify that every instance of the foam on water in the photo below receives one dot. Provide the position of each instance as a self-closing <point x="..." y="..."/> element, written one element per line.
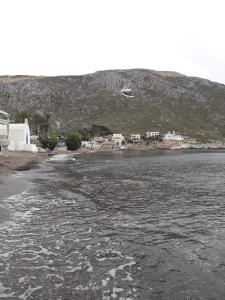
<point x="29" y="292"/>
<point x="62" y="157"/>
<point x="124" y="228"/>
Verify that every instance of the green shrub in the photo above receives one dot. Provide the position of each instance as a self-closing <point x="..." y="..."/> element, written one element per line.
<point x="73" y="141"/>
<point x="99" y="130"/>
<point x="48" y="142"/>
<point x="85" y="134"/>
<point x="96" y="130"/>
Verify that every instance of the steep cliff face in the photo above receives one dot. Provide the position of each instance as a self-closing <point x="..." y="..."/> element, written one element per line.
<point x="123" y="100"/>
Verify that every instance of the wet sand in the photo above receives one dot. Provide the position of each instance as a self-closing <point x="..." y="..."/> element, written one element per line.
<point x="20" y="161"/>
<point x="13" y="182"/>
<point x="10" y="184"/>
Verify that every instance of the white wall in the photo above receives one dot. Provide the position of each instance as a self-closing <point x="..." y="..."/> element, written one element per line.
<point x="19" y="136"/>
<point x="19" y="133"/>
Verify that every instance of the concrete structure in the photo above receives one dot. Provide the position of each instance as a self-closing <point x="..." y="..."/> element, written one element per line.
<point x="4" y="135"/>
<point x="107" y="144"/>
<point x="97" y="143"/>
<point x="19" y="137"/>
<point x="173" y="137"/>
<point x="135" y="137"/>
<point x="101" y="139"/>
<point x="98" y="139"/>
<point x="152" y="134"/>
<point x="117" y="140"/>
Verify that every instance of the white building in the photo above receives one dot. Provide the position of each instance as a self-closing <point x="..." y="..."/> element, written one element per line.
<point x="117" y="139"/>
<point x="19" y="137"/>
<point x="173" y="137"/>
<point x="135" y="137"/>
<point x="98" y="139"/>
<point x="101" y="139"/>
<point x="152" y="134"/>
<point x="90" y="145"/>
<point x="4" y="136"/>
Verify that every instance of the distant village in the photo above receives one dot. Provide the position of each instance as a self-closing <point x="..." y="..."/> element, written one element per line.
<point x="17" y="137"/>
<point x="119" y="141"/>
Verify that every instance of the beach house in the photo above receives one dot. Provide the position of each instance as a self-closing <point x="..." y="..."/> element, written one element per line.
<point x="152" y="135"/>
<point x="173" y="137"/>
<point x="90" y="145"/>
<point x="117" y="140"/>
<point x="135" y="137"/>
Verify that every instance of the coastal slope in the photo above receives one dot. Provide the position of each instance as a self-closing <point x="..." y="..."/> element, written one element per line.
<point x="134" y="100"/>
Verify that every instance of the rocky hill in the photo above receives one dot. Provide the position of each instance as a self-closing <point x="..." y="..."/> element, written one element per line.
<point x="123" y="100"/>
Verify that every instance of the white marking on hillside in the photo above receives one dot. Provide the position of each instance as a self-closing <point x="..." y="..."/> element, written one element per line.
<point x="127" y="92"/>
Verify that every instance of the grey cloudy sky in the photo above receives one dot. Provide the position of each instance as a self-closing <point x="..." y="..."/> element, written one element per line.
<point x="69" y="37"/>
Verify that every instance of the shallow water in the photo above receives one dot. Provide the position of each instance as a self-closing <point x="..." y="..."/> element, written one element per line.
<point x="123" y="225"/>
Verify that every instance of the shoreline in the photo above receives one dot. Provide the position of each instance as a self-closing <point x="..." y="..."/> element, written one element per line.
<point x="24" y="161"/>
<point x="178" y="146"/>
<point x="142" y="147"/>
<point x="20" y="161"/>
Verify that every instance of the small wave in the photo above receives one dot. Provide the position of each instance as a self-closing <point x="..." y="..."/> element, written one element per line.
<point x="62" y="157"/>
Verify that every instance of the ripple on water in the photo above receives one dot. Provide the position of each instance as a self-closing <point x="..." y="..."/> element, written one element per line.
<point x="131" y="227"/>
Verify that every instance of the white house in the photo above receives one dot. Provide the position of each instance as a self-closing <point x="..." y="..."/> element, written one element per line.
<point x="117" y="139"/>
<point x="90" y="145"/>
<point x="173" y="137"/>
<point x="86" y="144"/>
<point x="152" y="134"/>
<point x="19" y="137"/>
<point x="135" y="137"/>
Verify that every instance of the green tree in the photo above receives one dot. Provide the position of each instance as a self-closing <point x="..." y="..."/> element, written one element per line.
<point x="37" y="121"/>
<point x="20" y="116"/>
<point x="46" y="123"/>
<point x="99" y="130"/>
<point x="73" y="141"/>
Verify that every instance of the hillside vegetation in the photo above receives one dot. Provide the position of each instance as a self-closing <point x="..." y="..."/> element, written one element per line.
<point x="157" y="101"/>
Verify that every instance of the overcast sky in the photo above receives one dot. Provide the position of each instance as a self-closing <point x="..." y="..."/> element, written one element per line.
<point x="70" y="37"/>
